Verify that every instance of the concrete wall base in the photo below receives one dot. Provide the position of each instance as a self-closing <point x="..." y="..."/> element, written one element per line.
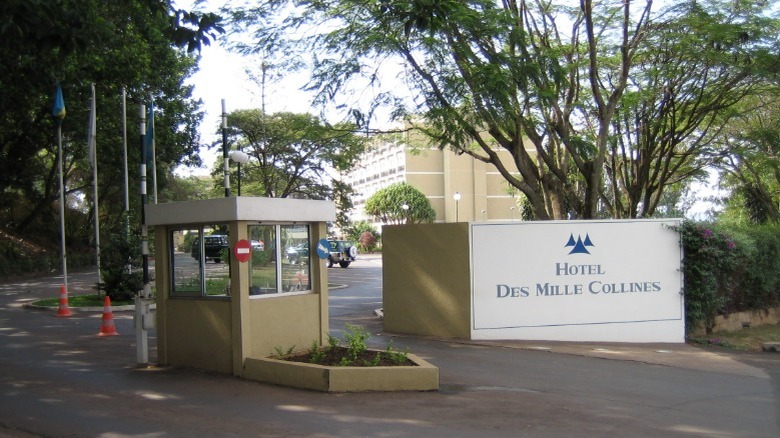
<point x="737" y="321"/>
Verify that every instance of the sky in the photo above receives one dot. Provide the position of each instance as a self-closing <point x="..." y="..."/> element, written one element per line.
<point x="221" y="75"/>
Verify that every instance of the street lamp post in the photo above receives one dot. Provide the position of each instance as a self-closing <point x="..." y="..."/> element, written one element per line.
<point x="456" y="197"/>
<point x="239" y="157"/>
<point x="226" y="182"/>
<point x="405" y="207"/>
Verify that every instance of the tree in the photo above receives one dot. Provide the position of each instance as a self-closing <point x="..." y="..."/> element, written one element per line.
<point x="554" y="84"/>
<point x="751" y="160"/>
<point x="133" y="44"/>
<point x="668" y="123"/>
<point x="400" y="203"/>
<point x="292" y="153"/>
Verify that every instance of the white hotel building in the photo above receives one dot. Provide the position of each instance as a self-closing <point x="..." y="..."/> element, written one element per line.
<point x="439" y="174"/>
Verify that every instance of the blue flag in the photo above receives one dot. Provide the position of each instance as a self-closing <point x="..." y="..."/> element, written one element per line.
<point x="58" y="109"/>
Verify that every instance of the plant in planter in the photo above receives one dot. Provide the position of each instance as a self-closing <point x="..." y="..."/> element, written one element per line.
<point x="350" y="368"/>
<point x="355" y="353"/>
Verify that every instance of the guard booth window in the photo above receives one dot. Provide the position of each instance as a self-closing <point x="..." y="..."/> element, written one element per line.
<point x="200" y="262"/>
<point x="280" y="260"/>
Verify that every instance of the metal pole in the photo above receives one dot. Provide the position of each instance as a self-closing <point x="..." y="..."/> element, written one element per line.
<point x="142" y="342"/>
<point x="62" y="209"/>
<point x="225" y="150"/>
<point x="124" y="148"/>
<point x="154" y="151"/>
<point x="144" y="231"/>
<point x="93" y="151"/>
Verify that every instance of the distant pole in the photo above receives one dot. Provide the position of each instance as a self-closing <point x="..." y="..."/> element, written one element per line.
<point x="225" y="150"/>
<point x="456" y="197"/>
<point x="92" y="140"/>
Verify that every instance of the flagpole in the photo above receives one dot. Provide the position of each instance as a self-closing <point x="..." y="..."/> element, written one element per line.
<point x="150" y="141"/>
<point x="144" y="230"/>
<point x="58" y="112"/>
<point x="143" y="300"/>
<point x="92" y="148"/>
<point x="62" y="209"/>
<point x="124" y="148"/>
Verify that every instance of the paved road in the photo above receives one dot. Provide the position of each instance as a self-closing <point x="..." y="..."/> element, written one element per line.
<point x="57" y="378"/>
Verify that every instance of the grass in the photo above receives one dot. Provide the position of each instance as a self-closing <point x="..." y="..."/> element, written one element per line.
<point x="82" y="301"/>
<point x="747" y="339"/>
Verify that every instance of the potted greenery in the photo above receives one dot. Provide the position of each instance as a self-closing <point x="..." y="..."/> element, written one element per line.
<point x="349" y="368"/>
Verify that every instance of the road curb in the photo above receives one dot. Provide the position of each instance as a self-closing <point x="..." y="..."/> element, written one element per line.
<point x="87" y="309"/>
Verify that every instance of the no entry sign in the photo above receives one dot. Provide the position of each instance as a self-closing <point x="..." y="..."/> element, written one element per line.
<point x="243" y="250"/>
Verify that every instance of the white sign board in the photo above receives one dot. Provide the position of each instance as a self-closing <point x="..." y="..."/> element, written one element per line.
<point x="607" y="281"/>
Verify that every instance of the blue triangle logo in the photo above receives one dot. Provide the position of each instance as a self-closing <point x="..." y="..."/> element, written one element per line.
<point x="579" y="246"/>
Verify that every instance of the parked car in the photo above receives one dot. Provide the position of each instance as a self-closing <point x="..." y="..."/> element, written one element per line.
<point x="257" y="245"/>
<point x="342" y="252"/>
<point x="212" y="247"/>
<point x="298" y="253"/>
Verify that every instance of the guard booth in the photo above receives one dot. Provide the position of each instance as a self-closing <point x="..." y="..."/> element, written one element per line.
<point x="221" y="303"/>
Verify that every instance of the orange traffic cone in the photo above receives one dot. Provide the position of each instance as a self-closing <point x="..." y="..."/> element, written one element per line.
<point x="63" y="310"/>
<point x="107" y="326"/>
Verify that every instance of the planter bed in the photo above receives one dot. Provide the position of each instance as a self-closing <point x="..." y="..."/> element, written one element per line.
<point x="420" y="377"/>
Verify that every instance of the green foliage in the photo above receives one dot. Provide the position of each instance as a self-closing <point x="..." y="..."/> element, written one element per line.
<point x="292" y="153"/>
<point x="316" y="354"/>
<point x="333" y="342"/>
<point x="355" y="353"/>
<point x="262" y="258"/>
<point x="21" y="258"/>
<point x="757" y="279"/>
<point x="750" y="168"/>
<point x="387" y="205"/>
<point x="77" y="301"/>
<point x="398" y="357"/>
<point x="356" y="337"/>
<point x="365" y="234"/>
<point x="727" y="269"/>
<point x="280" y="353"/>
<point x="597" y="103"/>
<point x="121" y="265"/>
<point x="115" y="45"/>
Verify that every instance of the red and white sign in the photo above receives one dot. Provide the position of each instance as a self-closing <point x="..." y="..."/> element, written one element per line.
<point x="242" y="250"/>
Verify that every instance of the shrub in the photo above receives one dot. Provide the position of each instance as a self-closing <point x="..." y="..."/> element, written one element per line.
<point x="710" y="259"/>
<point x="120" y="265"/>
<point x="367" y="241"/>
<point x="358" y="229"/>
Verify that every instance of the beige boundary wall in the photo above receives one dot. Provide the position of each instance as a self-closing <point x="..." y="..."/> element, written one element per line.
<point x="734" y="321"/>
<point x="426" y="279"/>
<point x="535" y="281"/>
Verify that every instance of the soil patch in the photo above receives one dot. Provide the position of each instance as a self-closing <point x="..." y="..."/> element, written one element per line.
<point x="341" y="356"/>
